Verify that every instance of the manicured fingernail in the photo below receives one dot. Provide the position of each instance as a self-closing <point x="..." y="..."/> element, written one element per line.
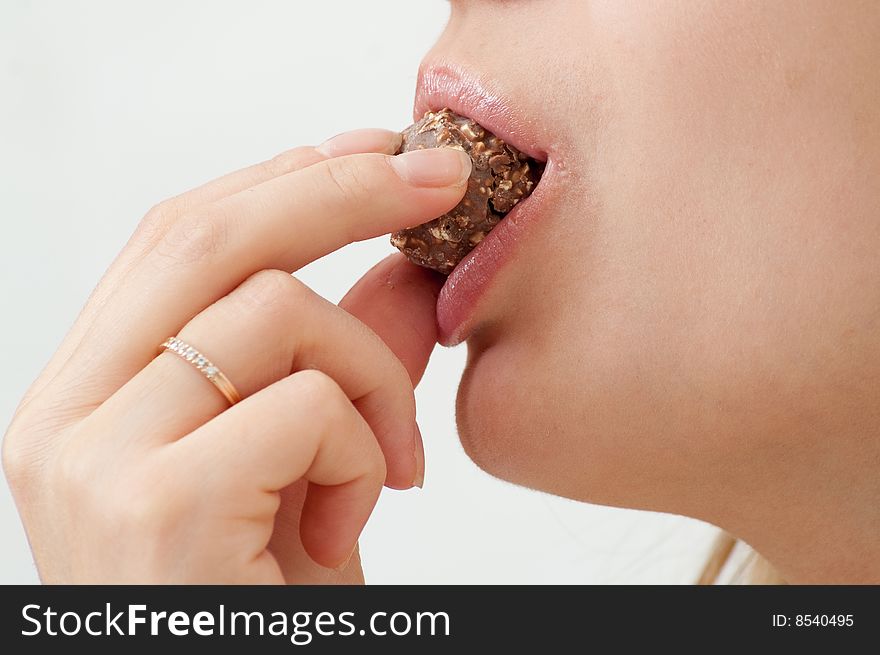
<point x="433" y="167"/>
<point x="419" y="479"/>
<point x="357" y="141"/>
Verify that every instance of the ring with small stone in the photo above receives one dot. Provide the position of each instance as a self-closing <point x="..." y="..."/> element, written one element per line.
<point x="204" y="365"/>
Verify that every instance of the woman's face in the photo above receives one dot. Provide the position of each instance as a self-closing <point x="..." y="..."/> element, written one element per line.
<point x="692" y="321"/>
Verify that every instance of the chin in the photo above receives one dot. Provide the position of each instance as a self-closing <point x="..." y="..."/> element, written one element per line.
<point x="509" y="422"/>
<point x="489" y="414"/>
<point x="580" y="437"/>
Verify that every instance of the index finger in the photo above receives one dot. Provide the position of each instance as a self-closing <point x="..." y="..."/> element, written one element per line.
<point x="283" y="223"/>
<point x="166" y="213"/>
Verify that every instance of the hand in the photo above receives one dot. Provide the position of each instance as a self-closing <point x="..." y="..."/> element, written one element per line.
<point x="132" y="467"/>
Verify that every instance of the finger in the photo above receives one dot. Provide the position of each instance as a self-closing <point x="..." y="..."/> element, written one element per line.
<point x="267" y="328"/>
<point x="282" y="223"/>
<point x="348" y="143"/>
<point x="303" y="426"/>
<point x="287" y="547"/>
<point x="397" y="300"/>
<point x="161" y="217"/>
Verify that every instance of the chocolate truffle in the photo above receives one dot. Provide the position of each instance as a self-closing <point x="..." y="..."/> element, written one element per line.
<point x="500" y="178"/>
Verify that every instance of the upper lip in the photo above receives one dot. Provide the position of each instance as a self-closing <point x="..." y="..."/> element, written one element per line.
<point x="450" y="86"/>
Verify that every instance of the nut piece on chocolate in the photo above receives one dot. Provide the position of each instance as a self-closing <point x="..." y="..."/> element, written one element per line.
<point x="501" y="177"/>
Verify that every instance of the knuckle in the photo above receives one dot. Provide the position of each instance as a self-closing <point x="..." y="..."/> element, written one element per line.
<point x="272" y="288"/>
<point x="156" y="221"/>
<point x="33" y="437"/>
<point x="196" y="236"/>
<point x="321" y="391"/>
<point x="325" y="399"/>
<point x="288" y="161"/>
<point x="346" y="178"/>
<point x="17" y="461"/>
<point x="161" y="213"/>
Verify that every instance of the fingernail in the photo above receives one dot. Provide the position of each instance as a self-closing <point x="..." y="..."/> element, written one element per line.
<point x="433" y="167"/>
<point x="357" y="141"/>
<point x="419" y="479"/>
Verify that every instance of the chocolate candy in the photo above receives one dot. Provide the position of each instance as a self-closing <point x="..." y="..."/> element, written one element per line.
<point x="500" y="178"/>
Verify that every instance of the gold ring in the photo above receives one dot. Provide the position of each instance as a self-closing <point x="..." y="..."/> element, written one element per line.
<point x="204" y="365"/>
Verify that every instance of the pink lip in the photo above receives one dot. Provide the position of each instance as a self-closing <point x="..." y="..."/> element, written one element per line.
<point x="446" y="86"/>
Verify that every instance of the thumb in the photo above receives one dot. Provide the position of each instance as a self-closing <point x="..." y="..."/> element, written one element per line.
<point x="397" y="300"/>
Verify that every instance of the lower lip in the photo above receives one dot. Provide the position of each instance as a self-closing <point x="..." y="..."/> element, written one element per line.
<point x="466" y="285"/>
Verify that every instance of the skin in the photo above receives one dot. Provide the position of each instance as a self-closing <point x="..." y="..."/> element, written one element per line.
<point x="130" y="467"/>
<point x="692" y="329"/>
<point x="720" y="240"/>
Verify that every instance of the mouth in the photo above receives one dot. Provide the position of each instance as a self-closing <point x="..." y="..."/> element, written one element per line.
<point x="447" y="86"/>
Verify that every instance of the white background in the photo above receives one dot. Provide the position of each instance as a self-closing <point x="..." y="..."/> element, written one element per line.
<point x="109" y="107"/>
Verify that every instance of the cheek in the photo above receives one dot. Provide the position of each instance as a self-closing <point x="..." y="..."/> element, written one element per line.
<point x="605" y="399"/>
<point x="704" y="307"/>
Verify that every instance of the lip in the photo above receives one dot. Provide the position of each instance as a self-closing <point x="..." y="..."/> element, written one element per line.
<point x="442" y="86"/>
